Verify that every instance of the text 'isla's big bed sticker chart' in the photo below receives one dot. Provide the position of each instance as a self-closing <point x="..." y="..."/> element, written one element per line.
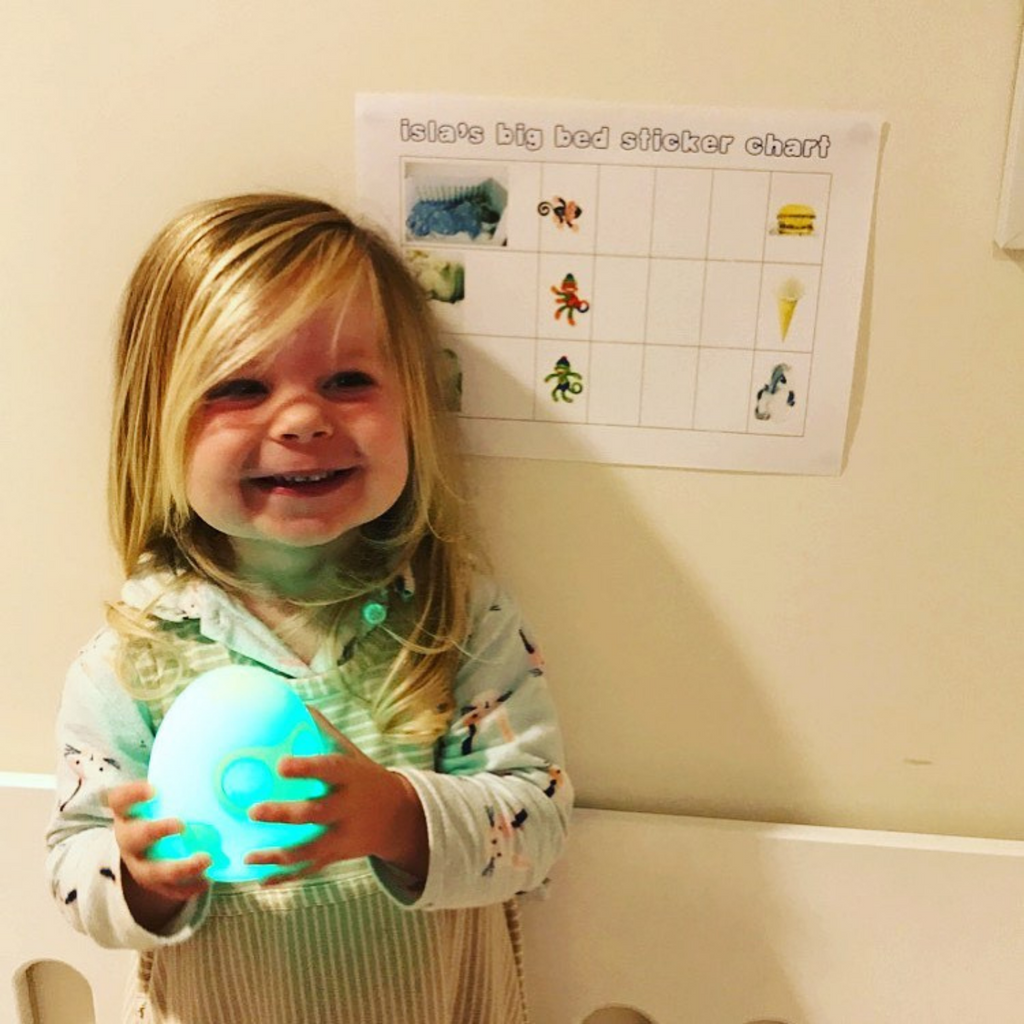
<point x="638" y="285"/>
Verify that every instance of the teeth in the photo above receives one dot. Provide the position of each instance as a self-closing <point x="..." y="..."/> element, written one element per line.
<point x="303" y="478"/>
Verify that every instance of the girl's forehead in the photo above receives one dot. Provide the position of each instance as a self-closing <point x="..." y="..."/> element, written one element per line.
<point x="347" y="324"/>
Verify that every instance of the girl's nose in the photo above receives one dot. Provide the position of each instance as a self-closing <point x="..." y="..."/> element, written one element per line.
<point x="302" y="421"/>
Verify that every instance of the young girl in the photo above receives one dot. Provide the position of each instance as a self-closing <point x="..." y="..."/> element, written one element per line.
<point x="285" y="493"/>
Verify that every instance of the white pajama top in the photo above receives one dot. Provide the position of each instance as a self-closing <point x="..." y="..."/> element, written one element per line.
<point x="352" y="944"/>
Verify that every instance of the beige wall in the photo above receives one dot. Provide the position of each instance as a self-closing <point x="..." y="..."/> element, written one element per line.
<point x="842" y="651"/>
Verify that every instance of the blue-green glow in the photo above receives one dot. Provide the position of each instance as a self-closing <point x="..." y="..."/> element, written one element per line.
<point x="374" y="613"/>
<point x="215" y="755"/>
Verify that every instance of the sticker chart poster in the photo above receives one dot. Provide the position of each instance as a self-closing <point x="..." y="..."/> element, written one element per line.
<point x="651" y="286"/>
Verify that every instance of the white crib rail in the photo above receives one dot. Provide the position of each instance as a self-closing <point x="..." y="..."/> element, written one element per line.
<point x="698" y="921"/>
<point x="690" y="920"/>
<point x="33" y="929"/>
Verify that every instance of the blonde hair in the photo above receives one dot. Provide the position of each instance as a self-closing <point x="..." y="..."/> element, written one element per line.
<point x="220" y="286"/>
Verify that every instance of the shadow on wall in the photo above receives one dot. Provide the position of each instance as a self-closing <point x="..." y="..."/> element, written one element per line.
<point x="860" y="366"/>
<point x="663" y="711"/>
<point x="660" y="710"/>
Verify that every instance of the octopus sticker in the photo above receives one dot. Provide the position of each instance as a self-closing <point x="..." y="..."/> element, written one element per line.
<point x="567" y="382"/>
<point x="568" y="301"/>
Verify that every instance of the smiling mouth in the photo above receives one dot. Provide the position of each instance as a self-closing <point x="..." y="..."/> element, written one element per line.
<point x="300" y="481"/>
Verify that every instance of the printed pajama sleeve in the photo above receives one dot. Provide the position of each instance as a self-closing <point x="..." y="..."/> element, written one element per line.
<point x="106" y="742"/>
<point x="498" y="805"/>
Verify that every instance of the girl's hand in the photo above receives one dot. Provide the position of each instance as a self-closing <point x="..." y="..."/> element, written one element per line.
<point x="154" y="889"/>
<point x="367" y="810"/>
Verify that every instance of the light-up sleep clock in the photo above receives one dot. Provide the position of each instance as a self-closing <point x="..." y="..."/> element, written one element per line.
<point x="215" y="755"/>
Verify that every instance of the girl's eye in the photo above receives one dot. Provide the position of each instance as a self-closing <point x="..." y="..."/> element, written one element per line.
<point x="239" y="390"/>
<point x="349" y="380"/>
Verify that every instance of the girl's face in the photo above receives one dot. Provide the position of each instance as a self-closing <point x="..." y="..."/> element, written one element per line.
<point x="299" y="449"/>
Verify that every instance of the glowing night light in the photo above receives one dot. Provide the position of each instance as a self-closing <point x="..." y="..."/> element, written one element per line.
<point x="215" y="755"/>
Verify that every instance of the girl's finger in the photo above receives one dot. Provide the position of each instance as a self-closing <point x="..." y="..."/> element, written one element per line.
<point x="279" y="857"/>
<point x="185" y="872"/>
<point x="140" y="835"/>
<point x="294" y="858"/>
<point x="175" y="879"/>
<point x="325" y="767"/>
<point x="321" y="811"/>
<point x="302" y="871"/>
<point x="121" y="799"/>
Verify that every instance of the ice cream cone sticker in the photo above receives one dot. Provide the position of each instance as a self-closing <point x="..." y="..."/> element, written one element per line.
<point x="788" y="294"/>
